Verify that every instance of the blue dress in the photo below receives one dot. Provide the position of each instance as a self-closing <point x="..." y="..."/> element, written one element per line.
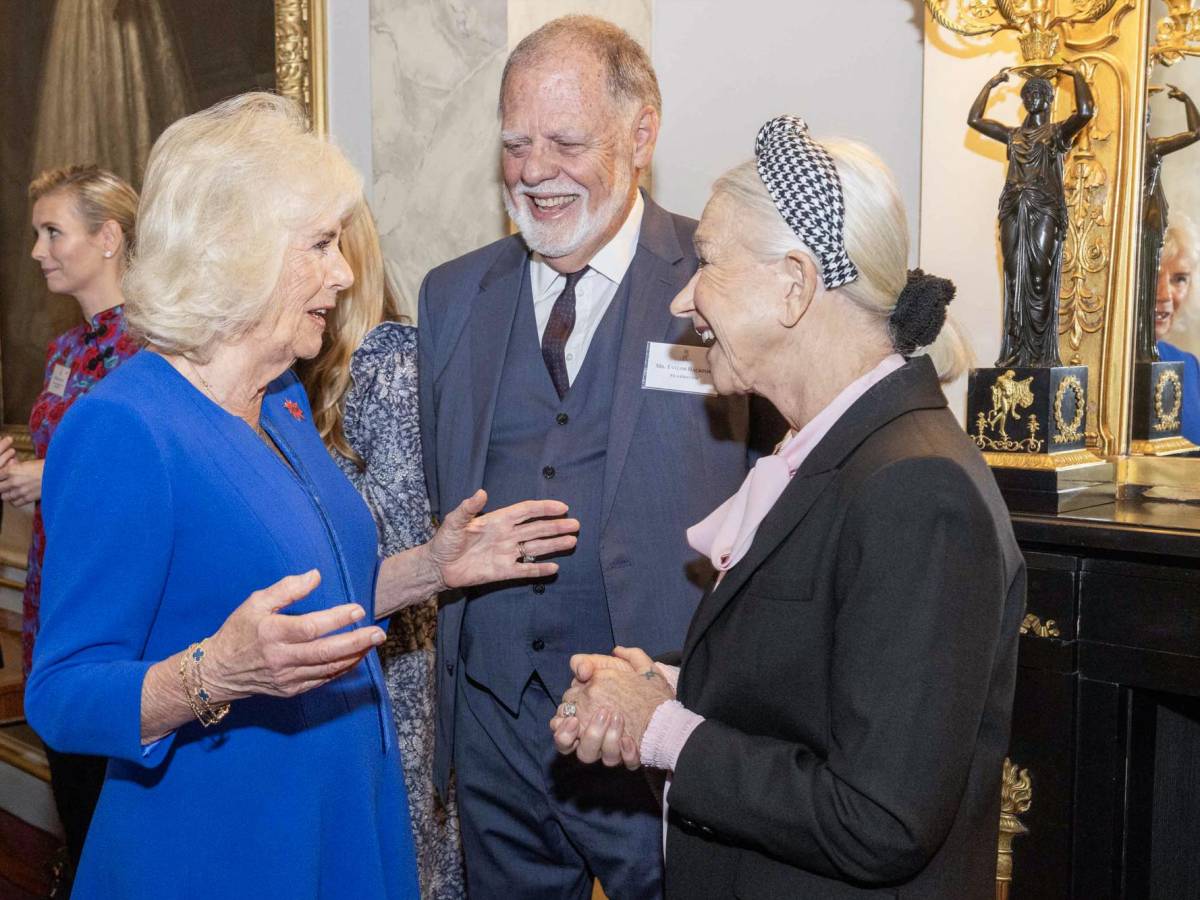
<point x="299" y="798"/>
<point x="1191" y="388"/>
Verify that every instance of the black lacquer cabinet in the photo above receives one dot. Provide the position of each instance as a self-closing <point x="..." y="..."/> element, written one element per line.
<point x="1106" y="720"/>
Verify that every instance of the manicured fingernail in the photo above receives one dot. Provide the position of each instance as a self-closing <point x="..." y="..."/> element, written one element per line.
<point x="357" y="613"/>
<point x="378" y="637"/>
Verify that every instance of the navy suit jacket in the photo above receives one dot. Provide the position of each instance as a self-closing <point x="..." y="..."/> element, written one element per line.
<point x="671" y="457"/>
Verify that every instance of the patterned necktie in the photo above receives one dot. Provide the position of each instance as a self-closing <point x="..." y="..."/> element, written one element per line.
<point x="558" y="329"/>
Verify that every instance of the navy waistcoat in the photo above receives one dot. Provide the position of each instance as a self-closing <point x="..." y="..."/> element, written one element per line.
<point x="543" y="447"/>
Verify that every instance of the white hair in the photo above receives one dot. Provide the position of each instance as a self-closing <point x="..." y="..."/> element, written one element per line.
<point x="225" y="191"/>
<point x="876" y="236"/>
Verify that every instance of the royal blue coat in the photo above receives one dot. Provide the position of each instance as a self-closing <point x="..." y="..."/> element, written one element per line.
<point x="298" y="798"/>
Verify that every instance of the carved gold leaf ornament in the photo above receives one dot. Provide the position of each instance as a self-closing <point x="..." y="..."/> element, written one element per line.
<point x="1010" y="395"/>
<point x="1040" y="29"/>
<point x="1040" y="462"/>
<point x="1031" y="624"/>
<point x="1068" y="431"/>
<point x="299" y="55"/>
<point x="1177" y="34"/>
<point x="1163" y="447"/>
<point x="1167" y="418"/>
<point x="1016" y="796"/>
<point x="975" y="10"/>
<point x="1086" y="254"/>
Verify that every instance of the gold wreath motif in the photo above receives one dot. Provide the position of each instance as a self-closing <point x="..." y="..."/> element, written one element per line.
<point x="1167" y="420"/>
<point x="1068" y="431"/>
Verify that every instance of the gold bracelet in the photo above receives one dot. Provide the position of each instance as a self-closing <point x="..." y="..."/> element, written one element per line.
<point x="197" y="695"/>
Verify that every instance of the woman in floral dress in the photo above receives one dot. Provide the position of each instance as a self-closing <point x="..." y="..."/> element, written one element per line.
<point x="83" y="222"/>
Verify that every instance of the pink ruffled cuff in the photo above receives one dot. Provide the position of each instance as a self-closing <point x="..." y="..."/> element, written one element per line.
<point x="669" y="729"/>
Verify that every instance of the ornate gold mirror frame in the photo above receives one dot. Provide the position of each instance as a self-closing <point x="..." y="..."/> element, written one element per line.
<point x="300" y="56"/>
<point x="1170" y="34"/>
<point x="300" y="66"/>
<point x="1112" y="43"/>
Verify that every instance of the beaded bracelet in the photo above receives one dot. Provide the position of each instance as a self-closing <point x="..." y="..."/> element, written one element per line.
<point x="197" y="694"/>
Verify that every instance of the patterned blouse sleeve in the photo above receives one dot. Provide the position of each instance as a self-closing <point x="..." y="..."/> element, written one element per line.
<point x="382" y="425"/>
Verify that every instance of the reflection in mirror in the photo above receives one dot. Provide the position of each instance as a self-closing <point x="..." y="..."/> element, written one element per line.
<point x="1166" y="400"/>
<point x="1156" y="208"/>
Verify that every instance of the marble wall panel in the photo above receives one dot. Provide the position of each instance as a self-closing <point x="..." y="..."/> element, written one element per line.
<point x="435" y="73"/>
<point x="632" y="15"/>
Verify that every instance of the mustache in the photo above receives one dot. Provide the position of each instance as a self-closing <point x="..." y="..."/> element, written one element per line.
<point x="557" y="186"/>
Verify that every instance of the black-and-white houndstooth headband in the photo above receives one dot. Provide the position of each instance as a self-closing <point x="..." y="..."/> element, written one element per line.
<point x="800" y="177"/>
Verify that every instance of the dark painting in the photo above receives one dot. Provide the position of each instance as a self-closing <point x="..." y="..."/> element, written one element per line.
<point x="96" y="81"/>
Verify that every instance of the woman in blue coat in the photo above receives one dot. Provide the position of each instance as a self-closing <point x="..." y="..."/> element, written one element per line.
<point x="241" y="704"/>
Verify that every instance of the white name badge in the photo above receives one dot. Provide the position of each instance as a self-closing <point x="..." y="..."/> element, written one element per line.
<point x="58" y="380"/>
<point x="677" y="367"/>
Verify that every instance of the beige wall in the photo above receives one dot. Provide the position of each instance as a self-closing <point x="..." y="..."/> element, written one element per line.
<point x="632" y="15"/>
<point x="726" y="68"/>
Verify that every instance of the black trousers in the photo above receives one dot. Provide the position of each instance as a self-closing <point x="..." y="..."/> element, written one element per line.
<point x="76" y="781"/>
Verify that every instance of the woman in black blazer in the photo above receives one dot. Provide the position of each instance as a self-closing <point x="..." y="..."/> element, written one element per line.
<point x="839" y="721"/>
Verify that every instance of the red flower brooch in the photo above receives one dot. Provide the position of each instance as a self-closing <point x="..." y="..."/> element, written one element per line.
<point x="294" y="408"/>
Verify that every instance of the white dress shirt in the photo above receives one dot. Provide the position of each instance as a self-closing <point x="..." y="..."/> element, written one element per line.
<point x="593" y="293"/>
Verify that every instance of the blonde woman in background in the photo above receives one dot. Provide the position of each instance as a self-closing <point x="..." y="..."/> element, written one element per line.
<point x="83" y="232"/>
<point x="363" y="390"/>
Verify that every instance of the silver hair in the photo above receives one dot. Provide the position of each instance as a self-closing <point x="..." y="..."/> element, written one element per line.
<point x="631" y="77"/>
<point x="876" y="236"/>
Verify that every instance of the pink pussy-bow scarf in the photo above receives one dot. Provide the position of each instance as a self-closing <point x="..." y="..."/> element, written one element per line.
<point x="728" y="531"/>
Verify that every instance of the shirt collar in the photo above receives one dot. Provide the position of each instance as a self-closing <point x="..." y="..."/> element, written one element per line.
<point x="106" y="316"/>
<point x="796" y="447"/>
<point x="612" y="260"/>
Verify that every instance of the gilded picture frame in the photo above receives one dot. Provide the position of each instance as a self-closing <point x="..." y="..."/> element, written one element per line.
<point x="297" y="31"/>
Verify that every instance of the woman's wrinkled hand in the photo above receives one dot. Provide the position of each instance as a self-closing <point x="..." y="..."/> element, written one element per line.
<point x="260" y="650"/>
<point x="20" y="480"/>
<point x="614" y="698"/>
<point x="470" y="548"/>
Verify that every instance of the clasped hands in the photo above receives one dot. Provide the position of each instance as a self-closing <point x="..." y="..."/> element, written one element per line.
<point x="614" y="699"/>
<point x="20" y="480"/>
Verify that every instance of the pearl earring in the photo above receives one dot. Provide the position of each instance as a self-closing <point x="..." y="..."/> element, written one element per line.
<point x="107" y="254"/>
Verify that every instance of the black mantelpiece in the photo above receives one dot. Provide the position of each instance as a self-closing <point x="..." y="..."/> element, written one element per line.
<point x="1107" y="712"/>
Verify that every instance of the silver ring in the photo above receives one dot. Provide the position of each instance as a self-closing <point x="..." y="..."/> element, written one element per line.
<point x="525" y="556"/>
<point x="569" y="710"/>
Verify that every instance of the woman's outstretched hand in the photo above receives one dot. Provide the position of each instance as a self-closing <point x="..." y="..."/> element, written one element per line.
<point x="470" y="548"/>
<point x="261" y="650"/>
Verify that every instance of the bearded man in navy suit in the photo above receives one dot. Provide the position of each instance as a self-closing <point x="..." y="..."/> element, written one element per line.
<point x="540" y="377"/>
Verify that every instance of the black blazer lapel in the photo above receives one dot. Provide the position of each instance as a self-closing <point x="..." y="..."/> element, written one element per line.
<point x="654" y="278"/>
<point x="915" y="386"/>
<point x="787" y="513"/>
<point x="492" y="317"/>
